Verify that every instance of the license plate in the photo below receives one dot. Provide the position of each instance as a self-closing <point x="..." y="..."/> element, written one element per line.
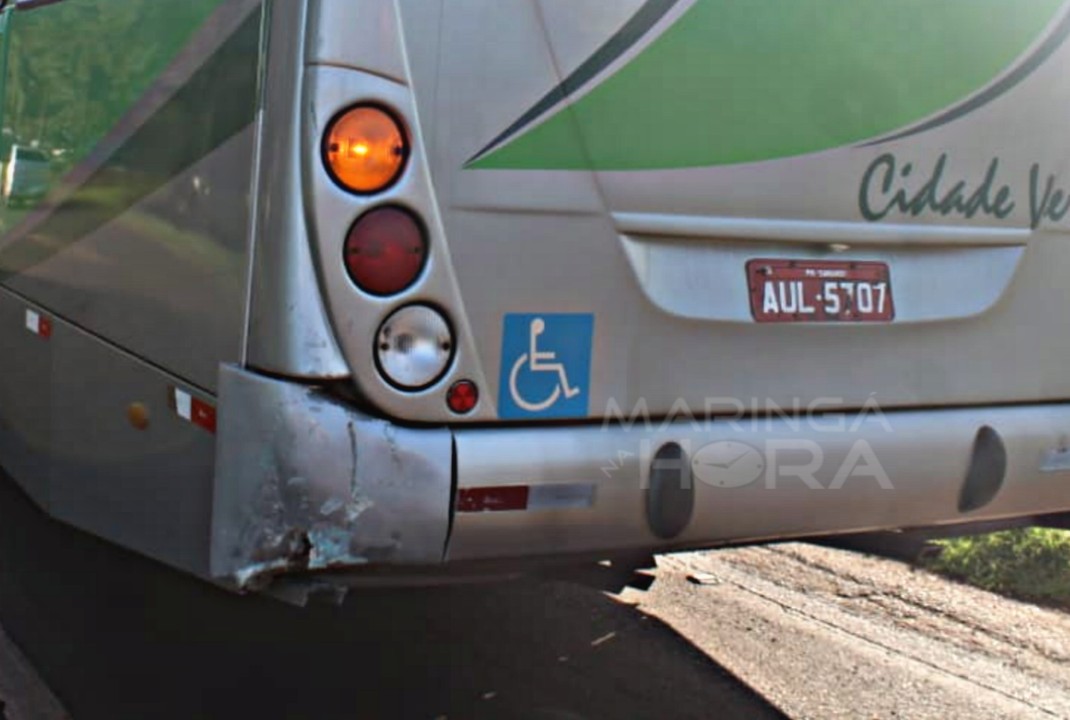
<point x="820" y="291"/>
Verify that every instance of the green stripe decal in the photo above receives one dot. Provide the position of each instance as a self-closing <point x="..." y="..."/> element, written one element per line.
<point x="217" y="102"/>
<point x="735" y="82"/>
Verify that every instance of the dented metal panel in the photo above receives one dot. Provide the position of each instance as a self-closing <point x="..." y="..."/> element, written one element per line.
<point x="305" y="482"/>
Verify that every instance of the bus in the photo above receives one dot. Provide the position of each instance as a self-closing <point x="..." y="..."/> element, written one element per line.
<point x="305" y="292"/>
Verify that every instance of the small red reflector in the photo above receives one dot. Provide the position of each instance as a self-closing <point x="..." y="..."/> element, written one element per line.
<point x="463" y="397"/>
<point x="493" y="499"/>
<point x="192" y="409"/>
<point x="203" y="415"/>
<point x="385" y="251"/>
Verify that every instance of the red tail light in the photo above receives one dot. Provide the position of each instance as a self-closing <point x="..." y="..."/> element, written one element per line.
<point x="385" y="251"/>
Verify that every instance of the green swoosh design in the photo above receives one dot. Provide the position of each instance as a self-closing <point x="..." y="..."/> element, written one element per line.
<point x="623" y="41"/>
<point x="735" y="82"/>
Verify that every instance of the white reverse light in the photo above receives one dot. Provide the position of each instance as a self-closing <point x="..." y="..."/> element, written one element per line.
<point x="414" y="347"/>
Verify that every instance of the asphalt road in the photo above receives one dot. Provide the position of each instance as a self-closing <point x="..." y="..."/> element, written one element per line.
<point x="826" y="633"/>
<point x="116" y="636"/>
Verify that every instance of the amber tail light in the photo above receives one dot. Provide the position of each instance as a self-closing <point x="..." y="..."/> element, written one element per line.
<point x="365" y="149"/>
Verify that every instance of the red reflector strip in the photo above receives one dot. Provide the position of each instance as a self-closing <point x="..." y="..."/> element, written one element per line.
<point x="193" y="409"/>
<point x="204" y="415"/>
<point x="493" y="499"/>
<point x="38" y="324"/>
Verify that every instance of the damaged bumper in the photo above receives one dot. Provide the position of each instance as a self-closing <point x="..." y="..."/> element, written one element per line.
<point x="304" y="482"/>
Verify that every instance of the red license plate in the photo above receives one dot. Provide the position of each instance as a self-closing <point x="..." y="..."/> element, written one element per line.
<point x="820" y="291"/>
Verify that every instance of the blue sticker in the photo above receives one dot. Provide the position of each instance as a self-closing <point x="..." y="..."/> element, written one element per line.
<point x="546" y="366"/>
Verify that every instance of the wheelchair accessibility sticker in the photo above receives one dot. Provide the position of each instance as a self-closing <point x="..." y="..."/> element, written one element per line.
<point x="546" y="366"/>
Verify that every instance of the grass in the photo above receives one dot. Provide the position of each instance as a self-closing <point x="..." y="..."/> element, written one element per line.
<point x="1028" y="563"/>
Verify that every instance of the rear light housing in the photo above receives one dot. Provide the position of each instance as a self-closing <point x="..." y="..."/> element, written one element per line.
<point x="365" y="149"/>
<point x="386" y="251"/>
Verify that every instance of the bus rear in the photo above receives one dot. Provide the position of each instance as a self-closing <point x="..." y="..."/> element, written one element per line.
<point x="611" y="278"/>
<point x="341" y="290"/>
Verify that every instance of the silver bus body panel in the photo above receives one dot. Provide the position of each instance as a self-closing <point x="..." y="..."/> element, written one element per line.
<point x="657" y="255"/>
<point x="370" y="39"/>
<point x="25" y="410"/>
<point x="289" y="332"/>
<point x="66" y="440"/>
<point x="144" y="489"/>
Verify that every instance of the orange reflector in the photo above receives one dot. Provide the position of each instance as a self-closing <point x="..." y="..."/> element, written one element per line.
<point x="365" y="149"/>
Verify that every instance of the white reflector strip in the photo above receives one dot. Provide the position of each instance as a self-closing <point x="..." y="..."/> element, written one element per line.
<point x="561" y="497"/>
<point x="183" y="405"/>
<point x="38" y="324"/>
<point x="512" y="498"/>
<point x="191" y="409"/>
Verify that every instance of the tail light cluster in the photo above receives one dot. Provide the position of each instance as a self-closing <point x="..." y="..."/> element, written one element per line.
<point x="366" y="152"/>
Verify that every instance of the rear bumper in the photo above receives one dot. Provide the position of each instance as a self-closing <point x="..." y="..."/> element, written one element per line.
<point x="760" y="479"/>
<point x="305" y="482"/>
